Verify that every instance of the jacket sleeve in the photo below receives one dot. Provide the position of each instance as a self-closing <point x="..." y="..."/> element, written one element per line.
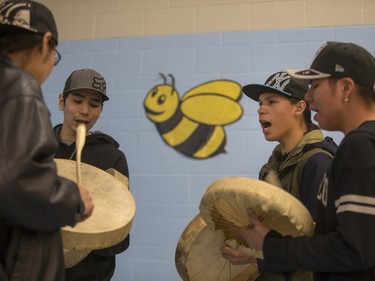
<point x="346" y="222"/>
<point x="264" y="267"/>
<point x="331" y="252"/>
<point x="31" y="193"/>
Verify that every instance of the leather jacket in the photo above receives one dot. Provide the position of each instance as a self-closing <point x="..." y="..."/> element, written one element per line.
<point x="34" y="201"/>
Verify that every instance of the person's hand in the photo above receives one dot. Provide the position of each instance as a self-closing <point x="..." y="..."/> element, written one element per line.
<point x="236" y="257"/>
<point x="253" y="236"/>
<point x="88" y="205"/>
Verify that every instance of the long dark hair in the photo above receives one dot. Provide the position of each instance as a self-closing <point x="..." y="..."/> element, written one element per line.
<point x="15" y="42"/>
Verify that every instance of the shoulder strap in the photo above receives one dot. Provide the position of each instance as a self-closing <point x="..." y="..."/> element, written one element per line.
<point x="297" y="173"/>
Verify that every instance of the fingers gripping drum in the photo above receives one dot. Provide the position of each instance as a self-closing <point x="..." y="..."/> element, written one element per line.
<point x="226" y="202"/>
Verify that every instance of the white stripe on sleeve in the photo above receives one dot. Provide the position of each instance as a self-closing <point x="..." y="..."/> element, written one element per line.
<point x="356" y="203"/>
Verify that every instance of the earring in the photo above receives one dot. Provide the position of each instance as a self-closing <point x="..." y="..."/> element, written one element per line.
<point x="346" y="99"/>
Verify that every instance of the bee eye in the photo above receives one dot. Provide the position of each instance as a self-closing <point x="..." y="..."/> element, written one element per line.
<point x="161" y="99"/>
<point x="154" y="92"/>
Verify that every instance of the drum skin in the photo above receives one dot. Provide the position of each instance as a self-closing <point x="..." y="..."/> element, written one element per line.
<point x="112" y="216"/>
<point x="226" y="200"/>
<point x="198" y="256"/>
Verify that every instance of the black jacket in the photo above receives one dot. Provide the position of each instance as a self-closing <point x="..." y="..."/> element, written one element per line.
<point x="342" y="248"/>
<point x="101" y="151"/>
<point x="34" y="201"/>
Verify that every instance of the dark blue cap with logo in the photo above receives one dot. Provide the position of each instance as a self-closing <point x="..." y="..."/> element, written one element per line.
<point x="278" y="83"/>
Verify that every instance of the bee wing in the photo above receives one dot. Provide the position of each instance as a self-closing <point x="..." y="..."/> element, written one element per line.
<point x="225" y="88"/>
<point x="211" y="109"/>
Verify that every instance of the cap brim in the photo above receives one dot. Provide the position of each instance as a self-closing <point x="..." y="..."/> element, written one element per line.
<point x="253" y="91"/>
<point x="104" y="97"/>
<point x="7" y="28"/>
<point x="304" y="76"/>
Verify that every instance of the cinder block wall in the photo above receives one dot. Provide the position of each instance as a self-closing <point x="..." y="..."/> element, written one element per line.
<point x="93" y="19"/>
<point x="131" y="41"/>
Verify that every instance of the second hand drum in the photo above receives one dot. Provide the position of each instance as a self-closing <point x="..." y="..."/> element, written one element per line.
<point x="112" y="216"/>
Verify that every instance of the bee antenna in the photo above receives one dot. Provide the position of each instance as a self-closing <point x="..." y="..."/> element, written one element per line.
<point x="172" y="77"/>
<point x="164" y="78"/>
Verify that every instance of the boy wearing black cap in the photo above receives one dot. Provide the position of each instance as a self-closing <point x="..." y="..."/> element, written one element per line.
<point x="82" y="102"/>
<point x="34" y="202"/>
<point x="342" y="93"/>
<point x="300" y="159"/>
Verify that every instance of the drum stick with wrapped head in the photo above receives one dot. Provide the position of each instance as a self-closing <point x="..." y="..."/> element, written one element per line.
<point x="80" y="143"/>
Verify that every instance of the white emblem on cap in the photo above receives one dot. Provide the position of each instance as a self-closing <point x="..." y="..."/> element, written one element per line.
<point x="279" y="81"/>
<point x="339" y="68"/>
<point x="17" y="15"/>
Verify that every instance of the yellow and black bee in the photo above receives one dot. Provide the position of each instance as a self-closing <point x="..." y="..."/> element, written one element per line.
<point x="194" y="124"/>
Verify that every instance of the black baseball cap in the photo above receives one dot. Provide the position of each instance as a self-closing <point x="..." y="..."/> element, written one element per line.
<point x="338" y="60"/>
<point x="278" y="83"/>
<point x="86" y="78"/>
<point x="26" y="16"/>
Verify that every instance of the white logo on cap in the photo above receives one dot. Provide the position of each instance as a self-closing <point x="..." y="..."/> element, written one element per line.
<point x="16" y="15"/>
<point x="279" y="81"/>
<point x="339" y="68"/>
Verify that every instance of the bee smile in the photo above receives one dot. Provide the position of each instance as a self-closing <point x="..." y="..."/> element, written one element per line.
<point x="148" y="111"/>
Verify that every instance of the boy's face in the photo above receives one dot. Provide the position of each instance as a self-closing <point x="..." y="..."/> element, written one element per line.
<point x="325" y="100"/>
<point x="277" y="116"/>
<point x="81" y="106"/>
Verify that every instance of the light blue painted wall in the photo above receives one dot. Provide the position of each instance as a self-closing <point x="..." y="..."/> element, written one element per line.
<point x="167" y="186"/>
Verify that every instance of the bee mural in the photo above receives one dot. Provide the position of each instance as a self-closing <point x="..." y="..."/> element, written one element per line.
<point x="193" y="125"/>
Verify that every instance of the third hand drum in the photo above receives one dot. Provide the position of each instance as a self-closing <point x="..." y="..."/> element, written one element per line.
<point x="226" y="200"/>
<point x="112" y="216"/>
<point x="224" y="204"/>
